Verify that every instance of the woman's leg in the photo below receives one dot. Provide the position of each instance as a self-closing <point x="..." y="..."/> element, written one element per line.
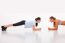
<point x="15" y="24"/>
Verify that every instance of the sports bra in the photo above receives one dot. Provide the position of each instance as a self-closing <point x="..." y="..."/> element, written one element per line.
<point x="60" y="22"/>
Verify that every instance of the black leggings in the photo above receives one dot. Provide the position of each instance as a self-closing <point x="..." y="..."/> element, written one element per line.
<point x="19" y="23"/>
<point x="22" y="23"/>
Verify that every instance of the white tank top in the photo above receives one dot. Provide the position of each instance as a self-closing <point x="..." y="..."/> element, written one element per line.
<point x="29" y="24"/>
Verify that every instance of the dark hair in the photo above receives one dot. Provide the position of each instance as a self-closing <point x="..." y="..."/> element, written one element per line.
<point x="38" y="18"/>
<point x="52" y="18"/>
<point x="36" y="24"/>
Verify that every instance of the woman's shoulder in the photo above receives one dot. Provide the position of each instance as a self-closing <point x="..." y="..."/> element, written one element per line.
<point x="57" y="20"/>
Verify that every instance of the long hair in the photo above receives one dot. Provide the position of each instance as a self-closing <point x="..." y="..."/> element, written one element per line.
<point x="36" y="24"/>
<point x="52" y="18"/>
<point x="38" y="18"/>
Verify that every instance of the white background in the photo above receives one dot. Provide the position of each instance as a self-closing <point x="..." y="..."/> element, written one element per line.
<point x="12" y="11"/>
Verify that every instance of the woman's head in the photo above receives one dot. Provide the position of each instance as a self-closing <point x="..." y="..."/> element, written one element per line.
<point x="38" y="19"/>
<point x="52" y="19"/>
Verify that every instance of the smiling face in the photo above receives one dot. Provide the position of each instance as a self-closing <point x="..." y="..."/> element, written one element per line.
<point x="51" y="20"/>
<point x="38" y="21"/>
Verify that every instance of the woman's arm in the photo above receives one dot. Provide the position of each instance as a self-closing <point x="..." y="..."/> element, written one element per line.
<point x="35" y="28"/>
<point x="55" y="26"/>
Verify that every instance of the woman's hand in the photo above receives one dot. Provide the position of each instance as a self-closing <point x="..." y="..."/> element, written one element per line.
<point x="37" y="29"/>
<point x="52" y="28"/>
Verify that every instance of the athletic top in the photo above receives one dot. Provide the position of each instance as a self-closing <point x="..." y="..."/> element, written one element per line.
<point x="60" y="22"/>
<point x="29" y="24"/>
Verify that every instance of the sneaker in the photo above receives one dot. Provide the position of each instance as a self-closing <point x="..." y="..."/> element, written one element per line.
<point x="3" y="28"/>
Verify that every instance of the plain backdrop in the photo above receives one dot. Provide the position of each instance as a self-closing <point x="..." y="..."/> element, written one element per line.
<point x="12" y="11"/>
<point x="15" y="10"/>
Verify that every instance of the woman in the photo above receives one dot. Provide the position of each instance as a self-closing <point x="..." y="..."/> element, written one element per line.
<point x="28" y="24"/>
<point x="56" y="22"/>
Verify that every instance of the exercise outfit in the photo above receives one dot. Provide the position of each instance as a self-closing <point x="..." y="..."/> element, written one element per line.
<point x="26" y="23"/>
<point x="60" y="22"/>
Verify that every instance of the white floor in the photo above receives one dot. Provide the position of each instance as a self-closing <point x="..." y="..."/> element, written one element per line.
<point x="21" y="35"/>
<point x="12" y="11"/>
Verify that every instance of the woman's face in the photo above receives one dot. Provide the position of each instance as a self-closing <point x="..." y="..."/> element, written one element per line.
<point x="51" y="20"/>
<point x="38" y="21"/>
